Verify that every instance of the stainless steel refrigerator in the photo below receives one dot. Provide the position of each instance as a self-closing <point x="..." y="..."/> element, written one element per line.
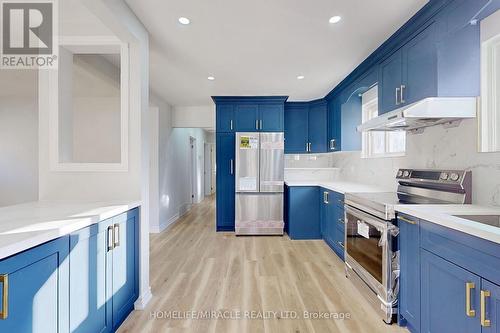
<point x="259" y="183"/>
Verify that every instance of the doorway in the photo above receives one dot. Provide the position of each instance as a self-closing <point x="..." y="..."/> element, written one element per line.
<point x="193" y="173"/>
<point x="209" y="169"/>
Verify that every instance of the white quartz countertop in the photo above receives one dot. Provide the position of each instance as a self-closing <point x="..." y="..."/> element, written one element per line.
<point x="339" y="186"/>
<point x="27" y="225"/>
<point x="443" y="215"/>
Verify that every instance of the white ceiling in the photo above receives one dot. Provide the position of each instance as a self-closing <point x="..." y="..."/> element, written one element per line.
<point x="259" y="47"/>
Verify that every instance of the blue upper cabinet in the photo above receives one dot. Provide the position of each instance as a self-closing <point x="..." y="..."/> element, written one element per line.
<point x="306" y="127"/>
<point x="271" y="117"/>
<point x="390" y="81"/>
<point x="34" y="290"/>
<point x="334" y="125"/>
<point x="225" y="118"/>
<point x="318" y="127"/>
<point x="249" y="113"/>
<point x="247" y="118"/>
<point x="296" y="127"/>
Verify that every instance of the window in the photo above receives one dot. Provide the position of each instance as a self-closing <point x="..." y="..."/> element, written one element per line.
<point x="379" y="144"/>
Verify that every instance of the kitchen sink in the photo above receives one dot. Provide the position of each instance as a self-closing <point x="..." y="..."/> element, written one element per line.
<point x="493" y="220"/>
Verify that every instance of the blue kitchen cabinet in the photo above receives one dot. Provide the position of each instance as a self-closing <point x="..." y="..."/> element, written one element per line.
<point x="334" y="125"/>
<point x="34" y="289"/>
<point x="491" y="296"/>
<point x="271" y="117"/>
<point x="90" y="280"/>
<point x="303" y="212"/>
<point x="246" y="117"/>
<point x="317" y="130"/>
<point x="225" y="118"/>
<point x="443" y="296"/>
<point x="332" y="220"/>
<point x="390" y="81"/>
<point x="409" y="256"/>
<point x="296" y="127"/>
<point x="225" y="159"/>
<point x="125" y="269"/>
<point x="104" y="279"/>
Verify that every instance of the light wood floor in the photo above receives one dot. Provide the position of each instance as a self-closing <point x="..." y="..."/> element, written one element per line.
<point x="193" y="268"/>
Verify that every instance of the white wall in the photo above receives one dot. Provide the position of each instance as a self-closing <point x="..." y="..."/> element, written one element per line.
<point x="194" y="116"/>
<point x="436" y="148"/>
<point x="18" y="137"/>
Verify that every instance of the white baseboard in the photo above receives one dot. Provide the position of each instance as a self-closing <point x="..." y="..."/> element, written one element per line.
<point x="143" y="300"/>
<point x="171" y="221"/>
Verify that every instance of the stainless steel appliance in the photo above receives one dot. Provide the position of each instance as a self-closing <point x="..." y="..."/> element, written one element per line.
<point x="259" y="183"/>
<point x="372" y="259"/>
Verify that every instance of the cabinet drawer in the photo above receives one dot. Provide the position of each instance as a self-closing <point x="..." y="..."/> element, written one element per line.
<point x="477" y="255"/>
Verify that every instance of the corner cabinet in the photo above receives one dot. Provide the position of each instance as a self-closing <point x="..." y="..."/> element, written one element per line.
<point x="306" y="127"/>
<point x="225" y="160"/>
<point x="34" y="289"/>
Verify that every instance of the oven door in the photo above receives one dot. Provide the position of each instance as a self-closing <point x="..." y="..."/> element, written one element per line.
<point x="368" y="247"/>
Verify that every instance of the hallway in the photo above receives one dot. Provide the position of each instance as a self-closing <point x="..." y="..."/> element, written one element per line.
<point x="193" y="268"/>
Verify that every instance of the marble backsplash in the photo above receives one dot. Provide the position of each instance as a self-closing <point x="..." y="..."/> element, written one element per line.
<point x="436" y="148"/>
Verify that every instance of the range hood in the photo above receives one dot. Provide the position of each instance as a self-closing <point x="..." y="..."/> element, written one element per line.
<point x="448" y="111"/>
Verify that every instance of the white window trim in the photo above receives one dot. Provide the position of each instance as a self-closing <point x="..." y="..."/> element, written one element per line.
<point x="50" y="79"/>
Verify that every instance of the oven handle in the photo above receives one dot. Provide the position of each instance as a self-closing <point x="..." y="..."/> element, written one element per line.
<point x="367" y="218"/>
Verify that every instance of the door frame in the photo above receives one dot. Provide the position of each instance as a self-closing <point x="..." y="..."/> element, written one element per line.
<point x="193" y="170"/>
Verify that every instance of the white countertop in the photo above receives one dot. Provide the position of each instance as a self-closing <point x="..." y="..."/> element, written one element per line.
<point x="339" y="186"/>
<point x="443" y="215"/>
<point x="27" y="225"/>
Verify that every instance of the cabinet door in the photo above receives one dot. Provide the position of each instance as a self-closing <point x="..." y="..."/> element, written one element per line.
<point x="443" y="296"/>
<point x="90" y="279"/>
<point x="304" y="213"/>
<point x="225" y="118"/>
<point x="390" y="79"/>
<point x="324" y="194"/>
<point x="125" y="279"/>
<point x="420" y="66"/>
<point x="492" y="306"/>
<point x="225" y="146"/>
<point x="296" y="126"/>
<point x="409" y="247"/>
<point x="37" y="288"/>
<point x="246" y="118"/>
<point x="317" y="128"/>
<point x="271" y="117"/>
<point x="334" y="125"/>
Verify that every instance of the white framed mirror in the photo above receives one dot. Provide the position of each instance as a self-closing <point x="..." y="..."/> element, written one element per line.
<point x="89" y="109"/>
<point x="489" y="115"/>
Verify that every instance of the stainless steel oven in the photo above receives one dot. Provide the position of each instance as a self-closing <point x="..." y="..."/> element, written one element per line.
<point x="369" y="255"/>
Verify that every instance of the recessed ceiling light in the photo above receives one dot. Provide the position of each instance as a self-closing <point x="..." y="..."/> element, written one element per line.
<point x="184" y="20"/>
<point x="211" y="78"/>
<point x="301" y="77"/>
<point x="335" y="19"/>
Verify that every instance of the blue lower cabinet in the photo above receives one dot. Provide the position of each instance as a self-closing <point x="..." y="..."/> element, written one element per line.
<point x="34" y="289"/>
<point x="490" y="293"/>
<point x="104" y="273"/>
<point x="303" y="212"/>
<point x="125" y="265"/>
<point x="332" y="221"/>
<point x="409" y="254"/>
<point x="444" y="296"/>
<point x="225" y="208"/>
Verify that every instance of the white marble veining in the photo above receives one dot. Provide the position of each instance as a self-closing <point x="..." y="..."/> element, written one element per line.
<point x="443" y="215"/>
<point x="339" y="186"/>
<point x="27" y="225"/>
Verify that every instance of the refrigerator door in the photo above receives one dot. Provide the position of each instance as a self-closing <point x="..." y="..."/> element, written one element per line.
<point x="272" y="162"/>
<point x="259" y="214"/>
<point x="247" y="162"/>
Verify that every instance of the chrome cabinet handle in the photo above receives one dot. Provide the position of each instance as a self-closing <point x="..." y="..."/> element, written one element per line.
<point x="260" y="124"/>
<point x="341" y="244"/>
<point x="469" y="286"/>
<point x="307" y="147"/>
<point x="4" y="280"/>
<point x="256" y="124"/>
<point x="332" y="144"/>
<point x="116" y="235"/>
<point x="484" y="322"/>
<point x="231" y="167"/>
<point x="397" y="96"/>
<point x="401" y="99"/>
<point x="231" y="124"/>
<point x="326" y="197"/>
<point x="401" y="218"/>
<point x="111" y="238"/>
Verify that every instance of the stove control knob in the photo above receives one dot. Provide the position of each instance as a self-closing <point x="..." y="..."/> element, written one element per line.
<point x="400" y="173"/>
<point x="406" y="173"/>
<point x="454" y="177"/>
<point x="444" y="176"/>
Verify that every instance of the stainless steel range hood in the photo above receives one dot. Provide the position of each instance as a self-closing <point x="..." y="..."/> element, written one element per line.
<point x="432" y="111"/>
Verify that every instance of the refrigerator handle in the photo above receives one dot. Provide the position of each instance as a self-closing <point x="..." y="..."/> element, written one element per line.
<point x="231" y="166"/>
